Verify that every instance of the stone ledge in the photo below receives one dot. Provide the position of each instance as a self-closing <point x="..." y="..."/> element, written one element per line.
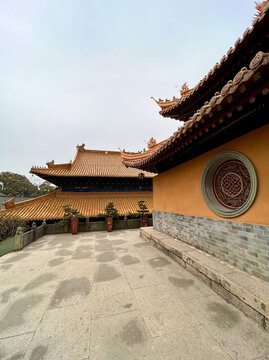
<point x="246" y="292"/>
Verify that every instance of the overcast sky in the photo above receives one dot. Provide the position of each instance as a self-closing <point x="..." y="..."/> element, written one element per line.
<point x="83" y="71"/>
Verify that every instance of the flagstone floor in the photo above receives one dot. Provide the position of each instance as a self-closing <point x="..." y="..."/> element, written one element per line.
<point x="106" y="296"/>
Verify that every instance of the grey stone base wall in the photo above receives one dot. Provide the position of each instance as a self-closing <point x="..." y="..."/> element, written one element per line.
<point x="96" y="226"/>
<point x="245" y="246"/>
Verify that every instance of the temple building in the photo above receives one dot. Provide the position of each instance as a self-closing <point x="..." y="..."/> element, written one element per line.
<point x="87" y="184"/>
<point x="212" y="189"/>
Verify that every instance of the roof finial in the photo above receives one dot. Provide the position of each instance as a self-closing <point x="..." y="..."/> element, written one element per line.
<point x="50" y="163"/>
<point x="81" y="147"/>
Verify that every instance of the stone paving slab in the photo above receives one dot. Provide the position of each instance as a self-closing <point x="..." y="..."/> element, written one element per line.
<point x="63" y="333"/>
<point x="102" y="295"/>
<point x="15" y="347"/>
<point x="121" y="299"/>
<point x="123" y="336"/>
<point x="241" y="338"/>
<point x="189" y="344"/>
<point x="140" y="276"/>
<point x="24" y="313"/>
<point x="163" y="313"/>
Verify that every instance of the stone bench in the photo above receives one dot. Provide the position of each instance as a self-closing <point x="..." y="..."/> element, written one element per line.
<point x="246" y="292"/>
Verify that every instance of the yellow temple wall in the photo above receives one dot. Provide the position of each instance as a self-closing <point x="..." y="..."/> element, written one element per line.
<point x="178" y="190"/>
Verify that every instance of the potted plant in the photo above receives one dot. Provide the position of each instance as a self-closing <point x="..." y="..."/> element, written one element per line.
<point x="143" y="212"/>
<point x="73" y="215"/>
<point x="110" y="213"/>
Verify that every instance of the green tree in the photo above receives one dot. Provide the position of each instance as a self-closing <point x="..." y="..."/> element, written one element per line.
<point x="46" y="188"/>
<point x="9" y="225"/>
<point x="110" y="210"/>
<point x="143" y="209"/>
<point x="17" y="185"/>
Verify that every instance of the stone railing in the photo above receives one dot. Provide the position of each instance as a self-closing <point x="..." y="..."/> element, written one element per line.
<point x="95" y="226"/>
<point x="20" y="240"/>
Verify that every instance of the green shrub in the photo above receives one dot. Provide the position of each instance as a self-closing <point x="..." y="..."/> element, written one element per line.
<point x="110" y="210"/>
<point x="143" y="209"/>
<point x="9" y="225"/>
<point x="69" y="214"/>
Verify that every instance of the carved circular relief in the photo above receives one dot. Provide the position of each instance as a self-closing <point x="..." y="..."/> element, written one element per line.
<point x="229" y="184"/>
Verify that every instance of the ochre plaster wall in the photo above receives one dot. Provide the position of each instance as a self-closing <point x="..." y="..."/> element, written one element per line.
<point x="178" y="190"/>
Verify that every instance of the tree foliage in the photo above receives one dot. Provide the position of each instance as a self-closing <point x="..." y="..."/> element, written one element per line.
<point x="9" y="225"/>
<point x="110" y="210"/>
<point x="45" y="188"/>
<point x="70" y="213"/>
<point x="19" y="185"/>
<point x="143" y="209"/>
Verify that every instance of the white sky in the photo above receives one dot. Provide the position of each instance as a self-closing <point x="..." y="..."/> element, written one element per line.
<point x="82" y="71"/>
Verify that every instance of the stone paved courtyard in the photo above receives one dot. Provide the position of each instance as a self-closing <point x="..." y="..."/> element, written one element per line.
<point x="106" y="296"/>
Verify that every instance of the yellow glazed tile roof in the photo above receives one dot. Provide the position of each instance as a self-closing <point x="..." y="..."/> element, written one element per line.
<point x="50" y="207"/>
<point x="91" y="163"/>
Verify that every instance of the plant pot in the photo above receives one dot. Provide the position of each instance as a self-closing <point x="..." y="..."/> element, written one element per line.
<point x="74" y="225"/>
<point x="144" y="220"/>
<point x="109" y="223"/>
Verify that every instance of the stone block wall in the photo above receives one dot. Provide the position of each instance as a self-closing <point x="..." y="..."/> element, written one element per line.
<point x="245" y="246"/>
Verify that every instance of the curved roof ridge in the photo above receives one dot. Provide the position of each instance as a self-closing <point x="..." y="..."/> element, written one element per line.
<point x="32" y="201"/>
<point x="125" y="155"/>
<point x="89" y="163"/>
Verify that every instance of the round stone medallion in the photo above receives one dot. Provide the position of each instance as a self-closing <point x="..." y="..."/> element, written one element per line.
<point x="229" y="183"/>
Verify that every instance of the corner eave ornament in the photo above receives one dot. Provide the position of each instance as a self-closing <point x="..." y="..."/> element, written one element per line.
<point x="260" y="6"/>
<point x="9" y="203"/>
<point x="184" y="90"/>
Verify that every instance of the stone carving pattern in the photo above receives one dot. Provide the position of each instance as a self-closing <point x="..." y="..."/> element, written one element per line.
<point x="231" y="184"/>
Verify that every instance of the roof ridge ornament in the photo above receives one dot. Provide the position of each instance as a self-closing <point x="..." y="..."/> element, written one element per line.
<point x="151" y="143"/>
<point x="184" y="89"/>
<point x="9" y="203"/>
<point x="50" y="164"/>
<point x="81" y="147"/>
